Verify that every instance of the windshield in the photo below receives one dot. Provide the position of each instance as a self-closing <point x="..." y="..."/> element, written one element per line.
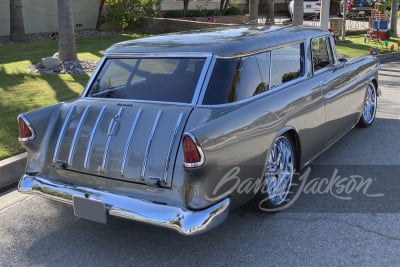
<point x="153" y="79"/>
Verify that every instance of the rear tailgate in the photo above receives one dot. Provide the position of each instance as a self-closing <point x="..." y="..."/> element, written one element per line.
<point x="135" y="142"/>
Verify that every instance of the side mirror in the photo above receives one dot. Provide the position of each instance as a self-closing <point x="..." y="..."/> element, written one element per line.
<point x="342" y="60"/>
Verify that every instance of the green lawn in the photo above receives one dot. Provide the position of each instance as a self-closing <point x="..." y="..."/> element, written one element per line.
<point x="358" y="47"/>
<point x="21" y="90"/>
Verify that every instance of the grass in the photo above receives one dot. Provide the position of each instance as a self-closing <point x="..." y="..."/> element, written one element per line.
<point x="22" y="91"/>
<point x="358" y="47"/>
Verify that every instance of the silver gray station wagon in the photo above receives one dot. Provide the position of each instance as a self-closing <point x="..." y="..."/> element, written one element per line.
<point x="176" y="130"/>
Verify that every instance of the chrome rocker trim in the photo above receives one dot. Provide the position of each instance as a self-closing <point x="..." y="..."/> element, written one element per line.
<point x="185" y="222"/>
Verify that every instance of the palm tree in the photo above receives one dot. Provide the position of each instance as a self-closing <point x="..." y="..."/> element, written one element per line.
<point x="270" y="12"/>
<point x="185" y="7"/>
<point x="66" y="35"/>
<point x="253" y="11"/>
<point x="17" y="29"/>
<point x="324" y="15"/>
<point x="298" y="13"/>
<point x="393" y="17"/>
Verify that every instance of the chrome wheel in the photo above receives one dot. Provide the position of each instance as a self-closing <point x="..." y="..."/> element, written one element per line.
<point x="370" y="106"/>
<point x="279" y="171"/>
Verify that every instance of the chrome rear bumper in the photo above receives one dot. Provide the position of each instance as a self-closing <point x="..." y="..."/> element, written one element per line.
<point x="186" y="222"/>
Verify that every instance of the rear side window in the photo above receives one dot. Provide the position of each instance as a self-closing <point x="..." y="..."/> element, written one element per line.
<point x="287" y="63"/>
<point x="153" y="79"/>
<point x="233" y="80"/>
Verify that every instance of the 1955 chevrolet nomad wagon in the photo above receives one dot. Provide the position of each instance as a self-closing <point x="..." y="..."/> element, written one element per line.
<point x="169" y="126"/>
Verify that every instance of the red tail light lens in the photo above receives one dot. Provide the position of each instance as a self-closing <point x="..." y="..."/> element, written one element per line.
<point x="318" y="4"/>
<point x="25" y="130"/>
<point x="193" y="155"/>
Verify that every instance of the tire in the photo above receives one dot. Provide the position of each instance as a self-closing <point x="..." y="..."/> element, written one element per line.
<point x="278" y="176"/>
<point x="369" y="108"/>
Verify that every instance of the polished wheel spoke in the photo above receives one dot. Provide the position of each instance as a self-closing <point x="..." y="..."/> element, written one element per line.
<point x="370" y="105"/>
<point x="280" y="169"/>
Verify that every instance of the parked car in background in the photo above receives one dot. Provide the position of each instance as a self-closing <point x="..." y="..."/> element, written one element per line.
<point x="311" y="8"/>
<point x="174" y="130"/>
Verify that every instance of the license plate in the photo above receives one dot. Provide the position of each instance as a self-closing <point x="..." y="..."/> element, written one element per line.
<point x="361" y="12"/>
<point x="308" y="6"/>
<point x="89" y="209"/>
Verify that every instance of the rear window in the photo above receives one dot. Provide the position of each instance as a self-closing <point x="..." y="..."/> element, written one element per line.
<point x="153" y="79"/>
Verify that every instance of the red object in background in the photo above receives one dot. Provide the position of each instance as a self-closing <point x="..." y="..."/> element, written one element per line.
<point x="392" y="48"/>
<point x="371" y="50"/>
<point x="398" y="44"/>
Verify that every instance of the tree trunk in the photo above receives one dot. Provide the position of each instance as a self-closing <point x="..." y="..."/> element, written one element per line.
<point x="185" y="7"/>
<point x="324" y="16"/>
<point x="17" y="29"/>
<point x="253" y="10"/>
<point x="98" y="23"/>
<point x="270" y="5"/>
<point x="298" y="13"/>
<point x="66" y="35"/>
<point x="223" y="5"/>
<point x="344" y="14"/>
<point x="394" y="17"/>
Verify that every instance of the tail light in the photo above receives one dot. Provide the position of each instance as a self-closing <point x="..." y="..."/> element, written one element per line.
<point x="25" y="130"/>
<point x="193" y="154"/>
<point x="318" y="4"/>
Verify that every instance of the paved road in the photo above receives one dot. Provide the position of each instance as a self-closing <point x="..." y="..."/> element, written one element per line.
<point x="319" y="229"/>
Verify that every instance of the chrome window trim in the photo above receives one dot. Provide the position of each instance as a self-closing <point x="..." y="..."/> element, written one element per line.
<point x="207" y="56"/>
<point x="269" y="91"/>
<point x="119" y="101"/>
<point x="260" y="51"/>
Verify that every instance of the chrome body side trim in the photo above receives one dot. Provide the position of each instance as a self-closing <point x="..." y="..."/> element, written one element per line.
<point x="110" y="133"/>
<point x="90" y="143"/>
<point x="76" y="134"/>
<point x="62" y="133"/>
<point x="148" y="146"/>
<point x="185" y="222"/>
<point x="128" y="142"/>
<point x="171" y="144"/>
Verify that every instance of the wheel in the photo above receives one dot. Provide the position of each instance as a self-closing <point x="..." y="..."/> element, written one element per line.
<point x="278" y="175"/>
<point x="370" y="106"/>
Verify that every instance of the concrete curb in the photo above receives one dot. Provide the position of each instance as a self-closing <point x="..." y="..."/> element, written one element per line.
<point x="388" y="57"/>
<point x="11" y="169"/>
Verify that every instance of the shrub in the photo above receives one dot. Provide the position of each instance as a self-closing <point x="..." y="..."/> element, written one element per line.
<point x="128" y="12"/>
<point x="233" y="11"/>
<point x="173" y="14"/>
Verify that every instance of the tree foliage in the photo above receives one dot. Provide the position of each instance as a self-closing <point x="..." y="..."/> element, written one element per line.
<point x="128" y="12"/>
